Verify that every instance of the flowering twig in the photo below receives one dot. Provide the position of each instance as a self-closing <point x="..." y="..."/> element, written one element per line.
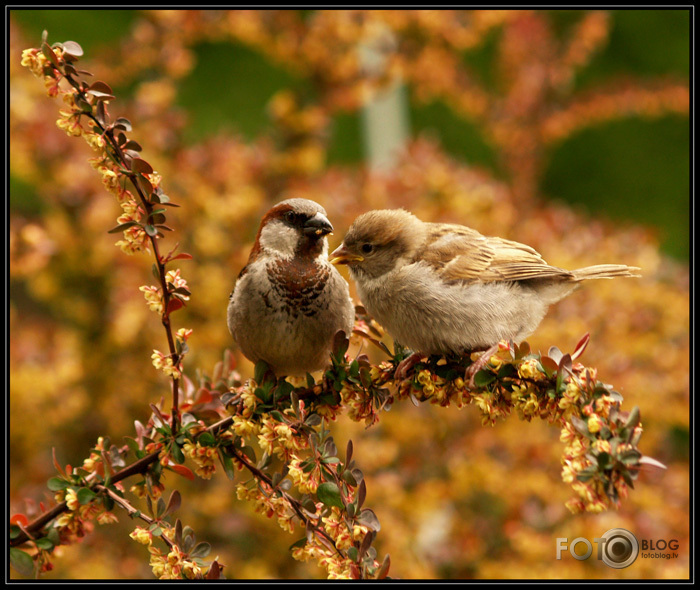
<point x="118" y="162"/>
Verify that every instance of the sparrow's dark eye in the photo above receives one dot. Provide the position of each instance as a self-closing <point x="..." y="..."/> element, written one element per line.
<point x="292" y="218"/>
<point x="366" y="248"/>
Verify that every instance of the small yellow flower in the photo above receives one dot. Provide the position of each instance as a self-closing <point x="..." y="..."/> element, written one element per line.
<point x="153" y="298"/>
<point x="424" y="377"/>
<point x="183" y="334"/>
<point x="529" y="369"/>
<point x="72" y="499"/>
<point x="602" y="446"/>
<point x="95" y="141"/>
<point x="244" y="428"/>
<point x="107" y="518"/>
<point x="595" y="423"/>
<point x="35" y="60"/>
<point x="70" y="123"/>
<point x="173" y="278"/>
<point x="165" y="364"/>
<point x="141" y="535"/>
<point x="91" y="462"/>
<point x="110" y="179"/>
<point x="191" y="569"/>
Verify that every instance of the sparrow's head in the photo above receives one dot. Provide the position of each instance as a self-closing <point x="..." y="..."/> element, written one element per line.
<point x="380" y="241"/>
<point x="295" y="227"/>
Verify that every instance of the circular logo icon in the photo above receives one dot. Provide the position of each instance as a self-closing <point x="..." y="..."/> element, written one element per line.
<point x="620" y="548"/>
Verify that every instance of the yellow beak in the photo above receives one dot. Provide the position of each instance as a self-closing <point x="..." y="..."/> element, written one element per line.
<point x="343" y="256"/>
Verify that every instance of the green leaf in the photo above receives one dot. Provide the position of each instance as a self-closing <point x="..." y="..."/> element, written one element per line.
<point x="206" y="439"/>
<point x="329" y="493"/>
<point x="484" y="378"/>
<point x="313" y="420"/>
<point x="633" y="418"/>
<point x="582" y="426"/>
<point x="630" y="457"/>
<point x="160" y="508"/>
<point x="21" y="561"/>
<point x="261" y="368"/>
<point x="45" y="544"/>
<point x="122" y="227"/>
<point x="86" y="495"/>
<point x="348" y="478"/>
<point x="56" y="484"/>
<point x="587" y="473"/>
<point x="227" y="464"/>
<point x="177" y="454"/>
<point x="201" y="550"/>
<point x="604" y="461"/>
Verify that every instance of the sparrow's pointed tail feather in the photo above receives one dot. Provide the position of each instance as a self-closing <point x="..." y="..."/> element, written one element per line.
<point x="605" y="271"/>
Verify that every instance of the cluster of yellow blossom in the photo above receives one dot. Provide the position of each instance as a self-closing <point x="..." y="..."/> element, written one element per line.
<point x="36" y="61"/>
<point x="337" y="566"/>
<point x="165" y="363"/>
<point x="249" y="399"/>
<point x="336" y="527"/>
<point x="305" y="481"/>
<point x="69" y="122"/>
<point x="154" y="490"/>
<point x="173" y="565"/>
<point x="154" y="298"/>
<point x="135" y="237"/>
<point x="278" y="438"/>
<point x="77" y="521"/>
<point x="204" y="457"/>
<point x="175" y="281"/>
<point x="533" y="393"/>
<point x="332" y="530"/>
<point x="269" y="502"/>
<point x="244" y="427"/>
<point x="183" y="334"/>
<point x="94" y="462"/>
<point x="592" y="495"/>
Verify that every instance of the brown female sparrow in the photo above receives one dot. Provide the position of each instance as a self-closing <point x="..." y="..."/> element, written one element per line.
<point x="289" y="301"/>
<point x="445" y="289"/>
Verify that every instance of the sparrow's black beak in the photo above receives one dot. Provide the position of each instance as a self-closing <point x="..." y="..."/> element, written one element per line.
<point x="318" y="226"/>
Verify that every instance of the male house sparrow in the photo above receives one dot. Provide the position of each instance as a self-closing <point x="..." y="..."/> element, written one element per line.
<point x="446" y="289"/>
<point x="289" y="301"/>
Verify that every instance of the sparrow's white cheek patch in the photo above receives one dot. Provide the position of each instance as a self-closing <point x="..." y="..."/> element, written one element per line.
<point x="279" y="237"/>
